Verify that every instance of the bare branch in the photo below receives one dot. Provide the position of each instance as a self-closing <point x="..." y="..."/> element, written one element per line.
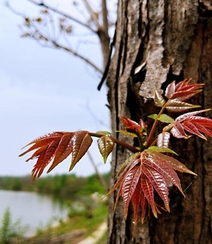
<point x="102" y="31"/>
<point x="100" y="177"/>
<point x="38" y="35"/>
<point x="105" y="15"/>
<point x="94" y="16"/>
<point x="88" y="109"/>
<point x="103" y="34"/>
<point x="42" y="4"/>
<point x="59" y="46"/>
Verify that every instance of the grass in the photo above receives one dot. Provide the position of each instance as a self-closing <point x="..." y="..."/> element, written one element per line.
<point x="11" y="232"/>
<point x="91" y="224"/>
<point x="87" y="225"/>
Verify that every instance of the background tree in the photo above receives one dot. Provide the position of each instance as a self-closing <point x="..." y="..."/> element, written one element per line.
<point x="86" y="23"/>
<point x="55" y="28"/>
<point x="157" y="42"/>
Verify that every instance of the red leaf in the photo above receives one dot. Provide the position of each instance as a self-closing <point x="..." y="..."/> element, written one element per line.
<point x="203" y="129"/>
<point x="183" y="90"/>
<point x="129" y="164"/>
<point x="143" y="206"/>
<point x="175" y="164"/>
<point x="129" y="185"/>
<point x="197" y="124"/>
<point x="170" y="90"/>
<point x="178" y="131"/>
<point x="38" y="167"/>
<point x="175" y="106"/>
<point x="159" y="184"/>
<point x="81" y="141"/>
<point x="148" y="191"/>
<point x="40" y="141"/>
<point x="146" y="172"/>
<point x="163" y="139"/>
<point x="186" y="92"/>
<point x="185" y="116"/>
<point x="57" y="146"/>
<point x="63" y="150"/>
<point x="190" y="127"/>
<point x="132" y="126"/>
<point x="137" y="201"/>
<point x="44" y="158"/>
<point x="37" y="153"/>
<point x="155" y="162"/>
<point x="192" y="124"/>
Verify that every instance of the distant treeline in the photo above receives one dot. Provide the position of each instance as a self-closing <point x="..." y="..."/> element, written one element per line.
<point x="63" y="186"/>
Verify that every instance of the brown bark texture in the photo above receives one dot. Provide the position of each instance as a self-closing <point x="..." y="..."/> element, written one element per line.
<point x="158" y="41"/>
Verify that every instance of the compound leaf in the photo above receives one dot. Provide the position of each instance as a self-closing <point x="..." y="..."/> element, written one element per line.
<point x="183" y="90"/>
<point x="57" y="146"/>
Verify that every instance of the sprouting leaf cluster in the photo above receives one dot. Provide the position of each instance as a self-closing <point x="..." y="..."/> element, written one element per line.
<point x="149" y="169"/>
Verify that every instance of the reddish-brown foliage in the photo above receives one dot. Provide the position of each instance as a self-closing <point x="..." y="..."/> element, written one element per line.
<point x="149" y="169"/>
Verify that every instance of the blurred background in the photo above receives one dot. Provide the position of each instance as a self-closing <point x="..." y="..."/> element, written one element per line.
<point x="45" y="89"/>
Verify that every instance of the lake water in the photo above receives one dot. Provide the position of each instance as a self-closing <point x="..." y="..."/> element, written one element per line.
<point x="34" y="210"/>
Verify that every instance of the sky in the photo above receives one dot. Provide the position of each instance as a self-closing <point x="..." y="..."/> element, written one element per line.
<point x="44" y="90"/>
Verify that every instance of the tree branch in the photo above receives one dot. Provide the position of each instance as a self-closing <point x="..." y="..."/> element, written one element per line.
<point x="102" y="31"/>
<point x="42" y="4"/>
<point x="105" y="15"/>
<point x="103" y="34"/>
<point x="94" y="16"/>
<point x="55" y="43"/>
<point x="59" y="46"/>
<point x="100" y="177"/>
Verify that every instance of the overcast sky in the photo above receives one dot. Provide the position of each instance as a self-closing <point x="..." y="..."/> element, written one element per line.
<point x="44" y="90"/>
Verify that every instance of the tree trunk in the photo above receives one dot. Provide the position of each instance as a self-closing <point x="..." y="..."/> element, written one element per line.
<point x="157" y="42"/>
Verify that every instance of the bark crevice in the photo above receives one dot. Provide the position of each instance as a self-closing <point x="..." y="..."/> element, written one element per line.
<point x="158" y="42"/>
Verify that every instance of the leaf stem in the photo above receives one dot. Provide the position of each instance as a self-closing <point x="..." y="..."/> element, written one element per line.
<point x="122" y="143"/>
<point x="148" y="143"/>
<point x="140" y="141"/>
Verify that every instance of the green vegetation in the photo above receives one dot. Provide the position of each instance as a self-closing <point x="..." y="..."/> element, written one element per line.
<point x="10" y="232"/>
<point x="65" y="186"/>
<point x="82" y="195"/>
<point x="77" y="227"/>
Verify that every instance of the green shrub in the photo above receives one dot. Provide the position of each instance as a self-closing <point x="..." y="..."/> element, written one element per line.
<point x="10" y="232"/>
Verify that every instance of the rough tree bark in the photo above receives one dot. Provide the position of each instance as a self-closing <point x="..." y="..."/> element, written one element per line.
<point x="157" y="42"/>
